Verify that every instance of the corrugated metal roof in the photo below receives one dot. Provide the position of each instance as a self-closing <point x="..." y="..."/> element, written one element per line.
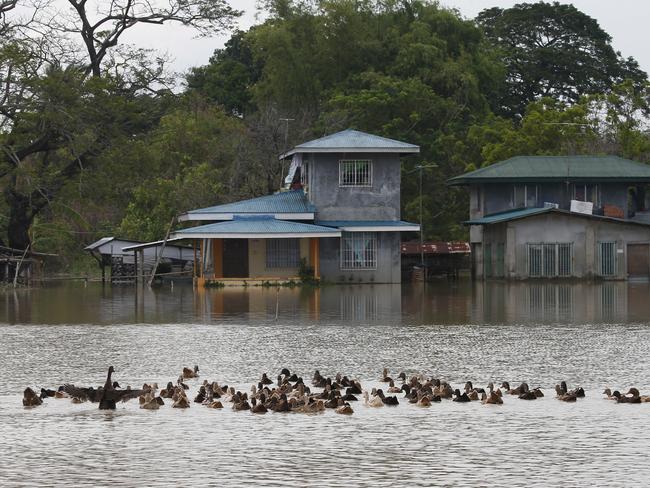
<point x="293" y="201"/>
<point x="364" y="223"/>
<point x="99" y="243"/>
<point x="253" y="225"/>
<point x="510" y="215"/>
<point x="351" y="140"/>
<point x="528" y="212"/>
<point x="558" y="168"/>
<point x="436" y="248"/>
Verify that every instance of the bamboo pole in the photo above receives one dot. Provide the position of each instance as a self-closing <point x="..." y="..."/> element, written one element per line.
<point x="162" y="249"/>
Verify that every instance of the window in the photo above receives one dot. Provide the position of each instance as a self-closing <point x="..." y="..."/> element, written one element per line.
<point x="304" y="176"/>
<point x="548" y="260"/>
<point x="524" y="196"/>
<point x="358" y="250"/>
<point x="586" y="193"/>
<point x="607" y="258"/>
<point x="282" y="253"/>
<point x="355" y="172"/>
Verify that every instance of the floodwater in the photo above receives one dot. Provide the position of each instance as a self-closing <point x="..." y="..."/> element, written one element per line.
<point x="592" y="335"/>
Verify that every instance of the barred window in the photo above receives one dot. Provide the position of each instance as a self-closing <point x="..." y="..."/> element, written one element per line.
<point x="607" y="258"/>
<point x="548" y="260"/>
<point x="358" y="250"/>
<point x="282" y="253"/>
<point x="355" y="172"/>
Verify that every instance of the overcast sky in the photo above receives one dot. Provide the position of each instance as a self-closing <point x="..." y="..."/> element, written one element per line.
<point x="625" y="20"/>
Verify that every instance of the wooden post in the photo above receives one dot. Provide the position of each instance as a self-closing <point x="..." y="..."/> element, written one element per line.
<point x="314" y="256"/>
<point x="217" y="257"/>
<point x="162" y="250"/>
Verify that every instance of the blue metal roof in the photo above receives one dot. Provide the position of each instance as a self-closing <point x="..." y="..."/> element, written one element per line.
<point x="365" y="223"/>
<point x="509" y="215"/>
<point x="351" y="140"/>
<point x="250" y="226"/>
<point x="293" y="201"/>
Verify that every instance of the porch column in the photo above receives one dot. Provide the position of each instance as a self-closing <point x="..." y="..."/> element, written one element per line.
<point x="314" y="255"/>
<point x="217" y="257"/>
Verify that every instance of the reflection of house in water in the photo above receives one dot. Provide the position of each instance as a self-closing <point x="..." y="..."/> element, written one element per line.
<point x="346" y="303"/>
<point x="532" y="301"/>
<point x="560" y="217"/>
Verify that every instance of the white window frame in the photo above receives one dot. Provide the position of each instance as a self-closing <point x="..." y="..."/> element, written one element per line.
<point x="595" y="189"/>
<point x="350" y="262"/>
<point x="284" y="259"/>
<point x="360" y="179"/>
<point x="527" y="188"/>
<point x="549" y="260"/>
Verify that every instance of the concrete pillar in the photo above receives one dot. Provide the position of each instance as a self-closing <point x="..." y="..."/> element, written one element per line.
<point x="591" y="265"/>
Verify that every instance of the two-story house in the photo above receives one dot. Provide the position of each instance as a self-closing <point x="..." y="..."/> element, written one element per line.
<point x="340" y="215"/>
<point x="559" y="217"/>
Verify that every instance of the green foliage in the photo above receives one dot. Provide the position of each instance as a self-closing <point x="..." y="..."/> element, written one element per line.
<point x="156" y="202"/>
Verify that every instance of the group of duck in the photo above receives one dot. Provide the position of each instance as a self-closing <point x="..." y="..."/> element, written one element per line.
<point x="289" y="393"/>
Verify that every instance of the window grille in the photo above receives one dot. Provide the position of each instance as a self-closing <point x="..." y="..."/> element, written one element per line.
<point x="607" y="258"/>
<point x="355" y="172"/>
<point x="358" y="250"/>
<point x="564" y="259"/>
<point x="282" y="253"/>
<point x="549" y="260"/>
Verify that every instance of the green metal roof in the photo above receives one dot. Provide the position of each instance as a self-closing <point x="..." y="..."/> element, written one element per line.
<point x="397" y="225"/>
<point x="351" y="140"/>
<point x="509" y="215"/>
<point x="528" y="212"/>
<point x="558" y="168"/>
<point x="255" y="226"/>
<point x="293" y="201"/>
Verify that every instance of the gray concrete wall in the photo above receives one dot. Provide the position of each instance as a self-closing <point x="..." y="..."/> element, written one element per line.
<point x="379" y="202"/>
<point x="388" y="261"/>
<point x="584" y="233"/>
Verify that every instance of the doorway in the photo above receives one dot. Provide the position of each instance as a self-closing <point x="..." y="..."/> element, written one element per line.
<point x="235" y="258"/>
<point x="638" y="260"/>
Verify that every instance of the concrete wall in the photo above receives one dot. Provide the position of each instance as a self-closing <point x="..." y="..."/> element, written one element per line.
<point x="379" y="202"/>
<point x="584" y="233"/>
<point x="388" y="261"/>
<point x="257" y="260"/>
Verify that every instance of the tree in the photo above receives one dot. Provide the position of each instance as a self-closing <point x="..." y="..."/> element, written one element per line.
<point x="60" y="112"/>
<point x="553" y="50"/>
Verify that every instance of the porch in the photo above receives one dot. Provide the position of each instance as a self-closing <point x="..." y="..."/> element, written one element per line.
<point x="250" y="250"/>
<point x="253" y="261"/>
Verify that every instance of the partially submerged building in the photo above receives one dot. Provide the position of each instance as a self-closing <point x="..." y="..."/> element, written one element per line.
<point x="559" y="217"/>
<point x="129" y="260"/>
<point x="339" y="218"/>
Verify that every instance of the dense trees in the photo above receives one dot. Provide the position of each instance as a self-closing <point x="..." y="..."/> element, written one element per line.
<point x="553" y="50"/>
<point x="94" y="143"/>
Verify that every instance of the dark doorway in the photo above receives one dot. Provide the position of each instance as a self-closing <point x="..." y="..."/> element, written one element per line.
<point x="235" y="258"/>
<point x="638" y="260"/>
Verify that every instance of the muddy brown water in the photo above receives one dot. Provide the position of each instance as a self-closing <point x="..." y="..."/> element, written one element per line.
<point x="593" y="335"/>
